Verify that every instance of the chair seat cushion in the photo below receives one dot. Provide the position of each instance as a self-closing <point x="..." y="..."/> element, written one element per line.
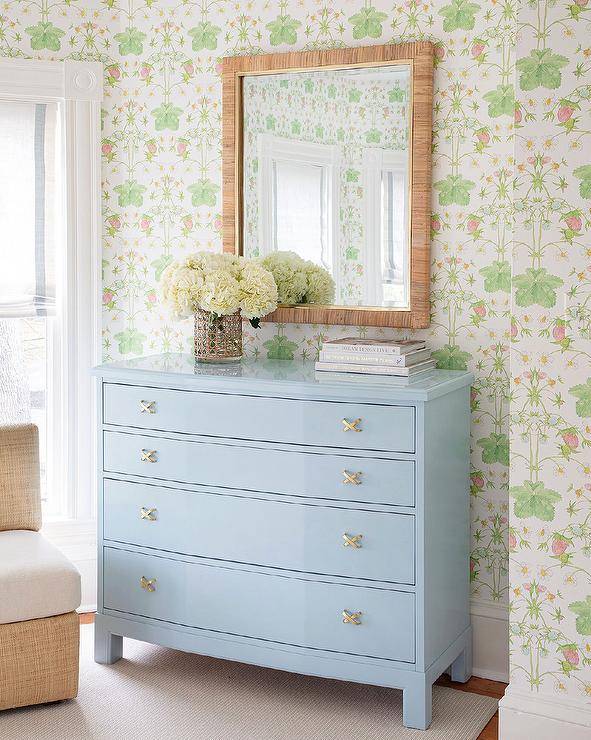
<point x="36" y="580"/>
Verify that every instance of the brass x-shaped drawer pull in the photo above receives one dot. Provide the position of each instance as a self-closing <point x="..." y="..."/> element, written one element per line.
<point x="147" y="407"/>
<point x="351" y="617"/>
<point x="354" y="478"/>
<point x="351" y="426"/>
<point x="148" y="456"/>
<point x="352" y="540"/>
<point x="149" y="514"/>
<point x="148" y="584"/>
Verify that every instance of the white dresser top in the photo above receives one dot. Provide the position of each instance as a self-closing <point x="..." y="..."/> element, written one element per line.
<point x="278" y="377"/>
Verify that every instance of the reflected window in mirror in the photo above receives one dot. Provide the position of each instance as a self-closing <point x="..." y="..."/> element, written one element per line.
<point x="326" y="175"/>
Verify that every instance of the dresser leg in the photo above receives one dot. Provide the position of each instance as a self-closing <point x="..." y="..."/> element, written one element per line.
<point x="417" y="703"/>
<point x="108" y="648"/>
<point x="461" y="668"/>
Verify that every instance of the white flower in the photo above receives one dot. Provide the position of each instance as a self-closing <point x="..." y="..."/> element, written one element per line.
<point x="258" y="291"/>
<point x="299" y="280"/>
<point x="320" y="285"/>
<point x="290" y="278"/>
<point x="220" y="293"/>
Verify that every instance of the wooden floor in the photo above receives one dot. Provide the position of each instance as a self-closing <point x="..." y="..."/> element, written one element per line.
<point x="474" y="685"/>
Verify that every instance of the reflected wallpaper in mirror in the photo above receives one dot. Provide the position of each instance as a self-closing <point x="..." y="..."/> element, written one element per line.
<point x="326" y="175"/>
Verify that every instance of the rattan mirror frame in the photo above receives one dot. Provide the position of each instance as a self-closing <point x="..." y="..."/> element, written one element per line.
<point x="420" y="56"/>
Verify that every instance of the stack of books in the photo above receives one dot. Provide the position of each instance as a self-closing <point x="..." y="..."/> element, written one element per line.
<point x="407" y="358"/>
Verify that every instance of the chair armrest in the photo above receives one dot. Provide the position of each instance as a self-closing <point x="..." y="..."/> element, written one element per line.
<point x="20" y="497"/>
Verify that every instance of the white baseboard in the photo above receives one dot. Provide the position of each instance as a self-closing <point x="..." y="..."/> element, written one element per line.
<point x="524" y="715"/>
<point x="490" y="641"/>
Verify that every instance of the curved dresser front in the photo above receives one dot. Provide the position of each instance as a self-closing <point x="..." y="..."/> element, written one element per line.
<point x="265" y="513"/>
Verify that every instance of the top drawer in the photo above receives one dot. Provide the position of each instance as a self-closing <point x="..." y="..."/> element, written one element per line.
<point x="321" y="423"/>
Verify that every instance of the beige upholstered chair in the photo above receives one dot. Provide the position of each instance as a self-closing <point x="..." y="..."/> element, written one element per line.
<point x="39" y="587"/>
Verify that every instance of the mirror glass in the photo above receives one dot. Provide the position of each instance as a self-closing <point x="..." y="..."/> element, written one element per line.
<point x="326" y="175"/>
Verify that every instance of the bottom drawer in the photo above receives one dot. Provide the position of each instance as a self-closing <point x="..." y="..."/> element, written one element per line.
<point x="285" y="610"/>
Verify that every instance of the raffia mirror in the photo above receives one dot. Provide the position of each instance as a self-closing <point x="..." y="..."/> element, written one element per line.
<point x="328" y="154"/>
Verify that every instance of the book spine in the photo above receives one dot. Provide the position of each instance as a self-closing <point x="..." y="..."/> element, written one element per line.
<point x="368" y="349"/>
<point x="339" y="367"/>
<point x="361" y="349"/>
<point x="396" y="360"/>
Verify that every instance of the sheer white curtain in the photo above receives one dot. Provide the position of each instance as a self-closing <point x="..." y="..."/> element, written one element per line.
<point x="27" y="205"/>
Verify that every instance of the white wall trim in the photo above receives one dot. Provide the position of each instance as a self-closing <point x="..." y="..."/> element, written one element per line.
<point x="524" y="715"/>
<point x="41" y="80"/>
<point x="490" y="640"/>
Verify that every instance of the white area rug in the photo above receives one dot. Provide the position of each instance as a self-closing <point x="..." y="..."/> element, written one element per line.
<point x="156" y="693"/>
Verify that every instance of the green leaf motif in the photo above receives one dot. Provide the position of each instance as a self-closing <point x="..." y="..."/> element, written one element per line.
<point x="454" y="189"/>
<point x="451" y="357"/>
<point x="167" y="116"/>
<point x="283" y="30"/>
<point x="583" y="611"/>
<point x="495" y="448"/>
<point x="130" y="341"/>
<point x="536" y="287"/>
<point x="45" y="36"/>
<point x="497" y="276"/>
<point x="541" y="69"/>
<point x="203" y="193"/>
<point x="460" y="14"/>
<point x="367" y="23"/>
<point x="280" y="348"/>
<point x="501" y="102"/>
<point x="131" y="193"/>
<point x="161" y="264"/>
<point x="584" y="175"/>
<point x="583" y="394"/>
<point x="397" y="95"/>
<point x="373" y="136"/>
<point x="205" y="36"/>
<point x="534" y="500"/>
<point x="130" y="41"/>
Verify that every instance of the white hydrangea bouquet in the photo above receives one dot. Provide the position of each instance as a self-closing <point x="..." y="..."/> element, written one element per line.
<point x="299" y="280"/>
<point x="218" y="289"/>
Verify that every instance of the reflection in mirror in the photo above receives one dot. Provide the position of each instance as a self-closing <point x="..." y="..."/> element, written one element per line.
<point x="326" y="175"/>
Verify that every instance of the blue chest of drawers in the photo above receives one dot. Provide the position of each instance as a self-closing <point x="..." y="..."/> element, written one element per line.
<point x="303" y="521"/>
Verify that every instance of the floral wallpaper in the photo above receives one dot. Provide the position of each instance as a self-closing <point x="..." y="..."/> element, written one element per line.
<point x="550" y="411"/>
<point x="351" y="113"/>
<point x="511" y="140"/>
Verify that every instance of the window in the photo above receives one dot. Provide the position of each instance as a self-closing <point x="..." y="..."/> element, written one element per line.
<point x="301" y="202"/>
<point x="49" y="215"/>
<point x="298" y="200"/>
<point x="393" y="238"/>
<point x="386" y="228"/>
<point x="30" y="322"/>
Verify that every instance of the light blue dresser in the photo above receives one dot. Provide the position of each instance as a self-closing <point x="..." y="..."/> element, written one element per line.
<point x="265" y="513"/>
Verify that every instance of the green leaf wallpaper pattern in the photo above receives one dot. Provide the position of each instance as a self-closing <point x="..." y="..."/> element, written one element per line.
<point x="130" y="41"/>
<point x="45" y="36"/>
<point x="534" y="500"/>
<point x="541" y="69"/>
<point x="205" y="36"/>
<point x="510" y="234"/>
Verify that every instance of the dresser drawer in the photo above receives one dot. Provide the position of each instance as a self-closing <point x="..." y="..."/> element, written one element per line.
<point x="355" y="426"/>
<point x="299" y="537"/>
<point x="317" y="475"/>
<point x="283" y="610"/>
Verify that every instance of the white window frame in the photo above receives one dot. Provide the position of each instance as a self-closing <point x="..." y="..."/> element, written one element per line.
<point x="375" y="162"/>
<point x="78" y="88"/>
<point x="273" y="148"/>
